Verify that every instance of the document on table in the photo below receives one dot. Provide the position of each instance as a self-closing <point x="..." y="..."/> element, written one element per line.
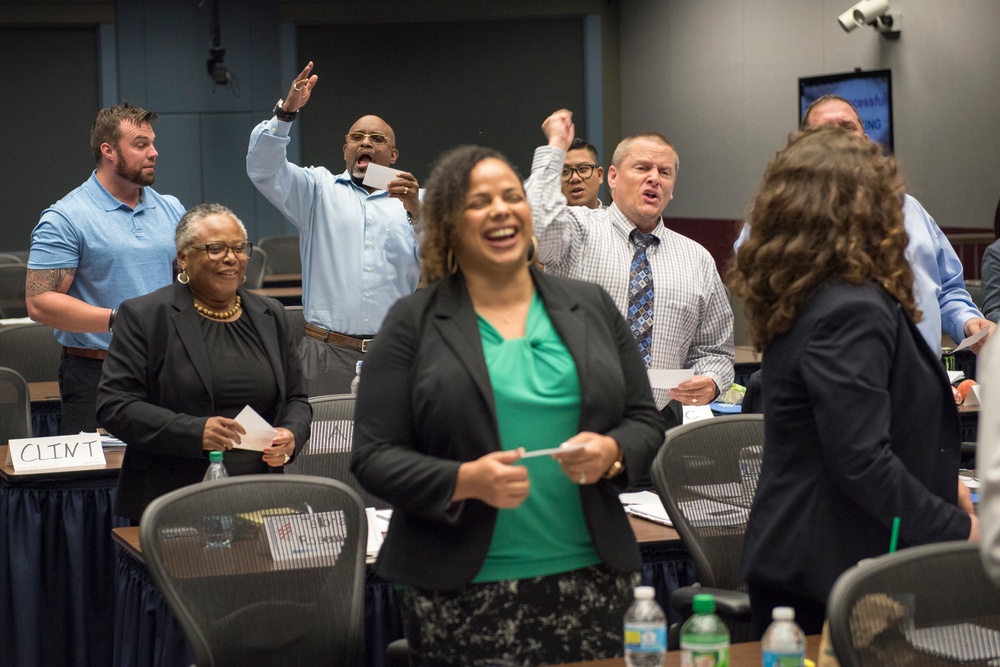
<point x="259" y="434"/>
<point x="646" y="505"/>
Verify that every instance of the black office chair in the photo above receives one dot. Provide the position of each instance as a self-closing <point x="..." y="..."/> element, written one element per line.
<point x="282" y="254"/>
<point x="706" y="474"/>
<point x="32" y="350"/>
<point x="15" y="406"/>
<point x="256" y="265"/>
<point x="927" y="605"/>
<point x="12" y="277"/>
<point x="237" y="604"/>
<point x="296" y="321"/>
<point x="328" y="451"/>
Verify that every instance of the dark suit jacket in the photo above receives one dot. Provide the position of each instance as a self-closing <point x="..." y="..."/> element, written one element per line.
<point x="426" y="405"/>
<point x="860" y="427"/>
<point x="156" y="394"/>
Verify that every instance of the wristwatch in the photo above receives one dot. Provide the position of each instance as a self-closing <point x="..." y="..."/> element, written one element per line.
<point x="281" y="114"/>
<point x="618" y="466"/>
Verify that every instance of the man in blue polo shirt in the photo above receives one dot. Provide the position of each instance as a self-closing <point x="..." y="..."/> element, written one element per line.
<point x="359" y="244"/>
<point x="108" y="240"/>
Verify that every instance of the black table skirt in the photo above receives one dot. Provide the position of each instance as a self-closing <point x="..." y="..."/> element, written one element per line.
<point x="148" y="635"/>
<point x="57" y="572"/>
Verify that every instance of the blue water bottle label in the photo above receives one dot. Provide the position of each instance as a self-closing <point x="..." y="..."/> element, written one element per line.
<point x="776" y="659"/>
<point x="645" y="637"/>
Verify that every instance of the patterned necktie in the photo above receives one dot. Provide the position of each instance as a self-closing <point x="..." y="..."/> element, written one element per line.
<point x="640" y="295"/>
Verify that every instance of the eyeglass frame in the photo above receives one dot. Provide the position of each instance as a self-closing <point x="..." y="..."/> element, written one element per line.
<point x="204" y="248"/>
<point x="370" y="135"/>
<point x="576" y="170"/>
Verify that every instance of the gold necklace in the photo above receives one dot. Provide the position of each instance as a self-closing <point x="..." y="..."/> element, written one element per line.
<point x="219" y="314"/>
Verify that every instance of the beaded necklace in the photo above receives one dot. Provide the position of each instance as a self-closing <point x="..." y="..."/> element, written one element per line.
<point x="217" y="314"/>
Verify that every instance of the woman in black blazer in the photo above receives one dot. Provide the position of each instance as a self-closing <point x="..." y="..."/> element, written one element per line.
<point x="506" y="560"/>
<point x="186" y="359"/>
<point x="860" y="423"/>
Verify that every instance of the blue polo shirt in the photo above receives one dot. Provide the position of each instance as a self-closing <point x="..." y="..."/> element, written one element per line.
<point x="118" y="253"/>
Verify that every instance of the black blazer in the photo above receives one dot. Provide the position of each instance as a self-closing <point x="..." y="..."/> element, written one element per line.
<point x="860" y="426"/>
<point x="156" y="395"/>
<point x="426" y="405"/>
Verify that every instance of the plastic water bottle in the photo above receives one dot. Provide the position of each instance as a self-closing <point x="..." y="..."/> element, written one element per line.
<point x="357" y="379"/>
<point x="704" y="637"/>
<point x="645" y="631"/>
<point x="218" y="528"/>
<point x="784" y="643"/>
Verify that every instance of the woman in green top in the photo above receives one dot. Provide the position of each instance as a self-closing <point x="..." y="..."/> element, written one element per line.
<point x="506" y="559"/>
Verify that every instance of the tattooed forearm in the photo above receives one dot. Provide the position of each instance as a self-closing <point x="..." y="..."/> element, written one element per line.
<point x="40" y="281"/>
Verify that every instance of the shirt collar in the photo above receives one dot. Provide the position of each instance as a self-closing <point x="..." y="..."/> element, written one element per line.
<point x="109" y="202"/>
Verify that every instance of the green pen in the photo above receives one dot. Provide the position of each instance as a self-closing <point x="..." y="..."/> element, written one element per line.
<point x="895" y="535"/>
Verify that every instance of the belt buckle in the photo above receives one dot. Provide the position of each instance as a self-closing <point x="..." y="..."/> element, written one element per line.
<point x="364" y="345"/>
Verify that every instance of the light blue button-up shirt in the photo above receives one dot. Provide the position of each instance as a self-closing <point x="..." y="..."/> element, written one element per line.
<point x="359" y="250"/>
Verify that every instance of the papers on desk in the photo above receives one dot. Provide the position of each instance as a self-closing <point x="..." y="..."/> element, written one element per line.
<point x="111" y="442"/>
<point x="645" y="505"/>
<point x="378" y="524"/>
<point x="955" y="376"/>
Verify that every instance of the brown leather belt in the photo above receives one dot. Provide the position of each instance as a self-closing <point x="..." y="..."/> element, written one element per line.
<point x="86" y="353"/>
<point x="359" y="344"/>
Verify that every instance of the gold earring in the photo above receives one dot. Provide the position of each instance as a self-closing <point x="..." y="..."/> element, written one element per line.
<point x="533" y="250"/>
<point x="450" y="262"/>
<point x="183" y="278"/>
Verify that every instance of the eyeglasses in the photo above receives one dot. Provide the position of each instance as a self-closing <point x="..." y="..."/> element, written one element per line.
<point x="584" y="171"/>
<point x="376" y="137"/>
<point x="218" y="250"/>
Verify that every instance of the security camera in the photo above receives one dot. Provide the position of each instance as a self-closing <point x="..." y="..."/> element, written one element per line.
<point x="865" y="12"/>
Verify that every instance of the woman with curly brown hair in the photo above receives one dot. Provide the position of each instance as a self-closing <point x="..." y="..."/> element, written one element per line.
<point x="860" y="423"/>
<point x="507" y="559"/>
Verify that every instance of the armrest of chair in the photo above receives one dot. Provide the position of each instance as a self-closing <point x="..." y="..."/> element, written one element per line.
<point x="732" y="605"/>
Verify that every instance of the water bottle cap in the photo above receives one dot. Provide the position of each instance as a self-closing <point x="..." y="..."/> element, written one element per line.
<point x="644" y="592"/>
<point x="215" y="456"/>
<point x="783" y="614"/>
<point x="703" y="603"/>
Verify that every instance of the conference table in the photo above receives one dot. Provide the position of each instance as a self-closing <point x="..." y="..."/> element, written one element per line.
<point x="147" y="634"/>
<point x="740" y="655"/>
<point x="57" y="565"/>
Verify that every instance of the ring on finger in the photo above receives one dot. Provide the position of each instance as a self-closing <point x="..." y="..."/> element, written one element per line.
<point x="406" y="190"/>
<point x="298" y="85"/>
<point x="583" y="478"/>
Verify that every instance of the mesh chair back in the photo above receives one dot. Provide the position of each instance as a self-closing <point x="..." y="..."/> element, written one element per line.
<point x="282" y="254"/>
<point x="328" y="452"/>
<point x="926" y="605"/>
<point x="15" y="406"/>
<point x="238" y="605"/>
<point x="255" y="268"/>
<point x="296" y="320"/>
<point x="706" y="473"/>
<point x="12" y="278"/>
<point x="32" y="350"/>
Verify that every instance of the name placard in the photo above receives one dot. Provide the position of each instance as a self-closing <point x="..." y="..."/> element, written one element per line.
<point x="58" y="452"/>
<point x="305" y="535"/>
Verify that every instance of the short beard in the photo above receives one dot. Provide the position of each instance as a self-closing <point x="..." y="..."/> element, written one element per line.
<point x="135" y="175"/>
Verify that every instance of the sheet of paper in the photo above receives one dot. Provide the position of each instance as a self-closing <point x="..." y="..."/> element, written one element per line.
<point x="955" y="376"/>
<point x="666" y="378"/>
<point x="973" y="399"/>
<point x="375" y="538"/>
<point x="646" y="505"/>
<point x="693" y="413"/>
<point x="565" y="449"/>
<point x="377" y="176"/>
<point x="973" y="339"/>
<point x="259" y="435"/>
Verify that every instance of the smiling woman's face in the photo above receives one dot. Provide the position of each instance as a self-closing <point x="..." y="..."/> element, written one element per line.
<point x="495" y="229"/>
<point x="215" y="280"/>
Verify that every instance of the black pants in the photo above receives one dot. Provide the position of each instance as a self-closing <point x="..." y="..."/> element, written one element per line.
<point x="809" y="613"/>
<point x="78" y="380"/>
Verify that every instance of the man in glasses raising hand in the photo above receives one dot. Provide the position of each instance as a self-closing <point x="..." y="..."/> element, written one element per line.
<point x="359" y="244"/>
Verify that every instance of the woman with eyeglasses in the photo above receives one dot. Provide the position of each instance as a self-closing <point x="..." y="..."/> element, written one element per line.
<point x="187" y="358"/>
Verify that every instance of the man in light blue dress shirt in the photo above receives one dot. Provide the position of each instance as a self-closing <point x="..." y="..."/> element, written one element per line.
<point x="359" y="245"/>
<point x="938" y="282"/>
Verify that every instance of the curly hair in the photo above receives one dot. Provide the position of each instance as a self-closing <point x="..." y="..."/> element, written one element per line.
<point x="444" y="203"/>
<point x="829" y="208"/>
<point x="106" y="128"/>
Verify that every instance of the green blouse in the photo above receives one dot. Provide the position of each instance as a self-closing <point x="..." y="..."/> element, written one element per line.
<point x="537" y="396"/>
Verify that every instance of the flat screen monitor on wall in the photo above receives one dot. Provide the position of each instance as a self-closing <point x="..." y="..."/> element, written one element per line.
<point x="869" y="92"/>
